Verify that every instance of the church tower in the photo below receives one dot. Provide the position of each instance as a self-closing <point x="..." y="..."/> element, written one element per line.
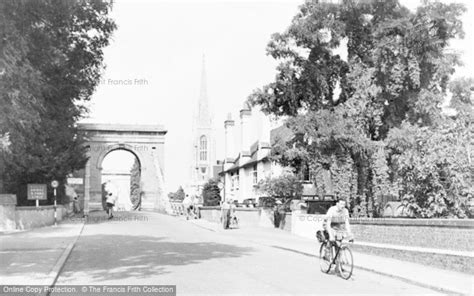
<point x="203" y="139"/>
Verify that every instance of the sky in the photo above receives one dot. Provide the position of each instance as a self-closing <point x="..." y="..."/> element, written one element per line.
<point x="153" y="66"/>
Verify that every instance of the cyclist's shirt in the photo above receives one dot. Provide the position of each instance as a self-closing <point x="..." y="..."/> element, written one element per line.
<point x="337" y="218"/>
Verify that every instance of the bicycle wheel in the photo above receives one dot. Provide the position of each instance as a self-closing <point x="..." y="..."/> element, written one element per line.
<point x="345" y="262"/>
<point x="325" y="257"/>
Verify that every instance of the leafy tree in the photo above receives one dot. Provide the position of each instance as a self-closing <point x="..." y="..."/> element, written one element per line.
<point x="397" y="70"/>
<point x="211" y="193"/>
<point x="286" y="186"/>
<point x="177" y="196"/>
<point x="433" y="168"/>
<point x="135" y="188"/>
<point x="52" y="54"/>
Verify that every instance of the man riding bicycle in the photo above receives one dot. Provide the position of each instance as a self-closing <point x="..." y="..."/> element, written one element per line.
<point x="334" y="251"/>
<point x="337" y="220"/>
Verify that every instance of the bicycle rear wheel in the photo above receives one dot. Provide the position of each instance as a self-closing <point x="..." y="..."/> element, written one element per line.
<point x="345" y="262"/>
<point x="325" y="257"/>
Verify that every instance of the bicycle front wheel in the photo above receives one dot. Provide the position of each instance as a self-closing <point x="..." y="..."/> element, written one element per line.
<point x="325" y="257"/>
<point x="345" y="262"/>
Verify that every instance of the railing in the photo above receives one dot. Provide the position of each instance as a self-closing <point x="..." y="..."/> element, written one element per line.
<point x="178" y="208"/>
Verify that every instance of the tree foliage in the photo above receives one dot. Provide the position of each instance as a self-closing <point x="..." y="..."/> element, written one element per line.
<point x="135" y="187"/>
<point x="353" y="75"/>
<point x="52" y="59"/>
<point x="287" y="186"/>
<point x="177" y="196"/>
<point x="211" y="193"/>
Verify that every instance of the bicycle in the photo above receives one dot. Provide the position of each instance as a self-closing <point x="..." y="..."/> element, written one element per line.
<point x="342" y="259"/>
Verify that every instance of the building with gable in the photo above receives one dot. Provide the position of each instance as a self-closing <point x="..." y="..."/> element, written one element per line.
<point x="203" y="166"/>
<point x="247" y="162"/>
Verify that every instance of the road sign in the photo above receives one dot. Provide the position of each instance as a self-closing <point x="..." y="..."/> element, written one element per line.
<point x="37" y="191"/>
<point x="221" y="186"/>
<point x="54" y="184"/>
<point x="75" y="181"/>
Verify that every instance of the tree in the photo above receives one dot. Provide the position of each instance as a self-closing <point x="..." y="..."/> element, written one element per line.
<point x="433" y="168"/>
<point x="52" y="55"/>
<point x="177" y="196"/>
<point x="399" y="57"/>
<point x="342" y="110"/>
<point x="135" y="188"/>
<point x="286" y="186"/>
<point x="211" y="193"/>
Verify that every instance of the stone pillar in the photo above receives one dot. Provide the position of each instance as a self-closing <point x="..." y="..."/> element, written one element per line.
<point x="7" y="212"/>
<point x="87" y="187"/>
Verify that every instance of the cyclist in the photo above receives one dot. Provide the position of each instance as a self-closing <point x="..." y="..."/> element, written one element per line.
<point x="337" y="220"/>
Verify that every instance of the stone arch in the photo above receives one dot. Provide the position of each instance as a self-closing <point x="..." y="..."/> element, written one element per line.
<point x="145" y="142"/>
<point x="99" y="165"/>
<point x="114" y="147"/>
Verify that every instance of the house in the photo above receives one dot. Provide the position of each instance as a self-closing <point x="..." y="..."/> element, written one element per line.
<point x="248" y="162"/>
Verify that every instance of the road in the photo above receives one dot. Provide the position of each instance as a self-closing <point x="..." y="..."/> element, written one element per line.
<point x="150" y="248"/>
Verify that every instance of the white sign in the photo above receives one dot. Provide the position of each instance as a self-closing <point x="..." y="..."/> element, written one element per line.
<point x="75" y="181"/>
<point x="54" y="184"/>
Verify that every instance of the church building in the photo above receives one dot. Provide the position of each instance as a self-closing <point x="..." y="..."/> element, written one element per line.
<point x="204" y="166"/>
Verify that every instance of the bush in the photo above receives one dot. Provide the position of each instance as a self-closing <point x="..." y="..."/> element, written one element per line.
<point x="286" y="186"/>
<point x="211" y="193"/>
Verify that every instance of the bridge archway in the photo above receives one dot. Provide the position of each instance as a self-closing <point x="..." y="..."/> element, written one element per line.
<point x="146" y="142"/>
<point x="122" y="167"/>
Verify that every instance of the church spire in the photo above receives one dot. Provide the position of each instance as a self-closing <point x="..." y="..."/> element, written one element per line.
<point x="204" y="116"/>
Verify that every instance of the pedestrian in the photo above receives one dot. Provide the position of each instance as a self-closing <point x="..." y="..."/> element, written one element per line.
<point x="72" y="197"/>
<point x="187" y="205"/>
<point x="111" y="198"/>
<point x="277" y="214"/>
<point x="77" y="207"/>
<point x="225" y="213"/>
<point x="233" y="220"/>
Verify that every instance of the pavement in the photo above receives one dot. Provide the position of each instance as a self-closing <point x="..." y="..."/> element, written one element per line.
<point x="36" y="256"/>
<point x="201" y="259"/>
<point x="426" y="276"/>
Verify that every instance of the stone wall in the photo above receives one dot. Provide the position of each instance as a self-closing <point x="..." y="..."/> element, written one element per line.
<point x="7" y="212"/>
<point x="449" y="223"/>
<point x="32" y="217"/>
<point x="306" y="225"/>
<point x="248" y="217"/>
<point x="454" y="234"/>
<point x="21" y="218"/>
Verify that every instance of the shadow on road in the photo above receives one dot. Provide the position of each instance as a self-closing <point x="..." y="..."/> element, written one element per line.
<point x="114" y="257"/>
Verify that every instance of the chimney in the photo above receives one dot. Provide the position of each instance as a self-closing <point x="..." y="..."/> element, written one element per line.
<point x="265" y="128"/>
<point x="245" y="129"/>
<point x="229" y="138"/>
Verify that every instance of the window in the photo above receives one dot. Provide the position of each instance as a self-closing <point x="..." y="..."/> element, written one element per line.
<point x="203" y="148"/>
<point x="255" y="175"/>
<point x="304" y="173"/>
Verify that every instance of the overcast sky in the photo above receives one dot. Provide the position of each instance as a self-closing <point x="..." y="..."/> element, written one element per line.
<point x="154" y="65"/>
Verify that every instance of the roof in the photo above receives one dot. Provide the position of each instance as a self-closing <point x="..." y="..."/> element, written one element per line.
<point x="155" y="128"/>
<point x="278" y="134"/>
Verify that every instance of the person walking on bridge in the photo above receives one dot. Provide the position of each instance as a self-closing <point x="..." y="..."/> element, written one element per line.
<point x="111" y="197"/>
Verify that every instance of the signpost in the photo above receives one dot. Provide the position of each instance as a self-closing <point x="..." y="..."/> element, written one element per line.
<point x="36" y="192"/>
<point x="55" y="185"/>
